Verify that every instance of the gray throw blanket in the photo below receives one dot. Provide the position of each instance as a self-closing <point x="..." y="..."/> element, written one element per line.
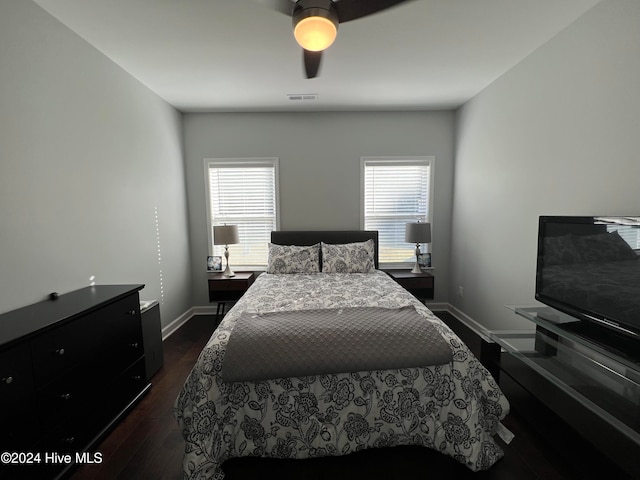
<point x="313" y="342"/>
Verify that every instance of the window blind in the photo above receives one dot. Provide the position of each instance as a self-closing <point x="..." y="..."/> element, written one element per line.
<point x="630" y="234"/>
<point x="244" y="194"/>
<point x="396" y="192"/>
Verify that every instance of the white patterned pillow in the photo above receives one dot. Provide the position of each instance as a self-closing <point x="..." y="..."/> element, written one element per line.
<point x="293" y="259"/>
<point x="355" y="257"/>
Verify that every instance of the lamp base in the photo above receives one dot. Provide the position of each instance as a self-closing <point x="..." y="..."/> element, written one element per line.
<point x="227" y="271"/>
<point x="416" y="267"/>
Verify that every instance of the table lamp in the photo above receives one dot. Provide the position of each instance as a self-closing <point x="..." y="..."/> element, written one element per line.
<point x="417" y="233"/>
<point x="226" y="235"/>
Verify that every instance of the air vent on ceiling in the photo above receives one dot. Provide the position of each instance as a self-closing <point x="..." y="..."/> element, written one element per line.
<point x="299" y="97"/>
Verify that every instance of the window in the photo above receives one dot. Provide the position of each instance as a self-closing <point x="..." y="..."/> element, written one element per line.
<point x="243" y="192"/>
<point x="395" y="191"/>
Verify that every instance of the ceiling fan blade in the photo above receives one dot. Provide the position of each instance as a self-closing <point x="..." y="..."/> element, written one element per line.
<point x="283" y="6"/>
<point x="353" y="9"/>
<point x="311" y="62"/>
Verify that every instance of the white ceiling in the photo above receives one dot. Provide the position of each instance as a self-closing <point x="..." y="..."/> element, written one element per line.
<point x="239" y="55"/>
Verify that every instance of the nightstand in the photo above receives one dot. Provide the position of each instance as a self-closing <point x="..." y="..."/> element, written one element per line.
<point x="228" y="289"/>
<point x="420" y="285"/>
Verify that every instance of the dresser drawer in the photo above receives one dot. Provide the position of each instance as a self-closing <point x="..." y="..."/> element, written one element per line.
<point x="223" y="288"/>
<point x="18" y="423"/>
<point x="71" y="436"/>
<point x="417" y="282"/>
<point x="63" y="399"/>
<point x="127" y="386"/>
<point x="91" y="396"/>
<point x="123" y="338"/>
<point x="16" y="380"/>
<point x="112" y="332"/>
<point x="233" y="285"/>
<point x="59" y="350"/>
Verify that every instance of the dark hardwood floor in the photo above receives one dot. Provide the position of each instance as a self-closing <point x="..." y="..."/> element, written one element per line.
<point x="147" y="444"/>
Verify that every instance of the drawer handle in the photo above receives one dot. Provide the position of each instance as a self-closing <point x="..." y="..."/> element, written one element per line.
<point x="65" y="396"/>
<point x="60" y="351"/>
<point x="7" y="380"/>
<point x="134" y="345"/>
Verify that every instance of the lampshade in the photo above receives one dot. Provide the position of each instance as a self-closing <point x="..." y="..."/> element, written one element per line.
<point x="417" y="233"/>
<point x="225" y="235"/>
<point x="315" y="28"/>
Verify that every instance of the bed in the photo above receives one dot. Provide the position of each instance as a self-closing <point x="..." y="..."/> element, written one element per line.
<point x="453" y="406"/>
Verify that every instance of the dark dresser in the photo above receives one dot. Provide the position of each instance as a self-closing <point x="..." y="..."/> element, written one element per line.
<point x="70" y="368"/>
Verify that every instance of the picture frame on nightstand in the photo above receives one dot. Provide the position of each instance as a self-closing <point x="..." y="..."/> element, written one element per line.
<point x="214" y="263"/>
<point x="424" y="260"/>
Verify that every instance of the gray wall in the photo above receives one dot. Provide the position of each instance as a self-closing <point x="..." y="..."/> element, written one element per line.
<point x="87" y="157"/>
<point x="319" y="168"/>
<point x="558" y="134"/>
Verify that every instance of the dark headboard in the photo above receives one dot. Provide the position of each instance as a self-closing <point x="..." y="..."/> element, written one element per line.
<point x="311" y="237"/>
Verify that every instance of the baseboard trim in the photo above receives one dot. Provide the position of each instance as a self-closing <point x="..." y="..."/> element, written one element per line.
<point x="173" y="327"/>
<point x="206" y="310"/>
<point x="437" y="307"/>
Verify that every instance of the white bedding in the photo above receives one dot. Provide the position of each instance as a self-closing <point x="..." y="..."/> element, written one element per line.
<point x="453" y="408"/>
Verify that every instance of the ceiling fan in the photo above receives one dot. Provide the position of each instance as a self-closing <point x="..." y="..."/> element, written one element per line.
<point x="315" y="22"/>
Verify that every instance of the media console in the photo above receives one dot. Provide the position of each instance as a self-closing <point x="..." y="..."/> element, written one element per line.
<point x="595" y="390"/>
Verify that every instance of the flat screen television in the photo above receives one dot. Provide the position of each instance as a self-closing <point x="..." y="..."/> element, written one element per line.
<point x="589" y="268"/>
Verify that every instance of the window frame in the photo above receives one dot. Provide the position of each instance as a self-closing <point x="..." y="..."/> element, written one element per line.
<point x="239" y="163"/>
<point x="428" y="160"/>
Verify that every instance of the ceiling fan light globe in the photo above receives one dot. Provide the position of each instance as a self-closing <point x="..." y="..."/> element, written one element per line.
<point x="315" y="33"/>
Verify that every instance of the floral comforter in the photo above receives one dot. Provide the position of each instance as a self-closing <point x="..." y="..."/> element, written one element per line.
<point x="453" y="408"/>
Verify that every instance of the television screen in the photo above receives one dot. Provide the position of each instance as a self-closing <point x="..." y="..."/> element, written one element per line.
<point x="589" y="267"/>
